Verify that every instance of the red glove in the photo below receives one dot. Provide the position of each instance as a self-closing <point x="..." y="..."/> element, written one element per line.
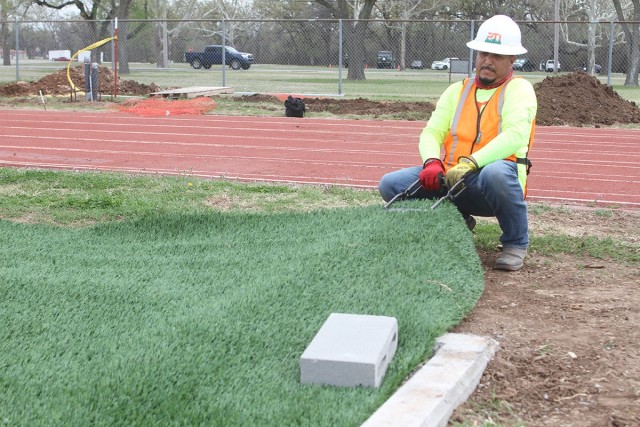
<point x="431" y="174"/>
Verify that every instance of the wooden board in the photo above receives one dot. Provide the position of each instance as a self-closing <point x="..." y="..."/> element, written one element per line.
<point x="192" y="92"/>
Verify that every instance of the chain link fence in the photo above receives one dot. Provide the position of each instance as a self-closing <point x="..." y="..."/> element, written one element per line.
<point x="300" y="56"/>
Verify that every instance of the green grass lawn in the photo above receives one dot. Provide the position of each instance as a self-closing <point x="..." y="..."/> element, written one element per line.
<point x="380" y="84"/>
<point x="137" y="300"/>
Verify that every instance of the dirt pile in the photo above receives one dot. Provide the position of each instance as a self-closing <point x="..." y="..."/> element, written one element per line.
<point x="574" y="99"/>
<point x="579" y="99"/>
<point x="58" y="84"/>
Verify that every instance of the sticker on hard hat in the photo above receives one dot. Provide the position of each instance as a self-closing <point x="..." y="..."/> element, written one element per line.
<point x="493" y="38"/>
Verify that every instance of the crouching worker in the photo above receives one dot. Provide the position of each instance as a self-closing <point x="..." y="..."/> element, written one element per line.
<point x="485" y="125"/>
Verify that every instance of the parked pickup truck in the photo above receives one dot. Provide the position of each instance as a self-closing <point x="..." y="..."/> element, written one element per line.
<point x="212" y="55"/>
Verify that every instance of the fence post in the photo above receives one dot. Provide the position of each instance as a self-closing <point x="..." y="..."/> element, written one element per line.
<point x="114" y="61"/>
<point x="224" y="55"/>
<point x="90" y="80"/>
<point x="340" y="57"/>
<point x="165" y="45"/>
<point x="556" y="38"/>
<point x="17" y="51"/>
<point x="609" y="69"/>
<point x="473" y="36"/>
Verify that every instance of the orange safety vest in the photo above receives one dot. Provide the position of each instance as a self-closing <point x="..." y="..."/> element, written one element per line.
<point x="472" y="127"/>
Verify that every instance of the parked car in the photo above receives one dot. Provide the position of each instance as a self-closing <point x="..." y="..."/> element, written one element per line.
<point x="386" y="59"/>
<point x="549" y="66"/>
<point x="417" y="65"/>
<point x="442" y="65"/>
<point x="597" y="68"/>
<point x="524" y="64"/>
<point x="212" y="55"/>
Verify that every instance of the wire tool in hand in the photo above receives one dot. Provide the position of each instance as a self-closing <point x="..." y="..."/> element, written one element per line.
<point x="452" y="194"/>
<point x="408" y="192"/>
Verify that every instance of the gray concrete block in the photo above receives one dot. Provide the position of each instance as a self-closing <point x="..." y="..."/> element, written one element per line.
<point x="431" y="395"/>
<point x="350" y="350"/>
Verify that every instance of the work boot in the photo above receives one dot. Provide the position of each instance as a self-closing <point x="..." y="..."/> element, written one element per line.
<point x="470" y="221"/>
<point x="510" y="259"/>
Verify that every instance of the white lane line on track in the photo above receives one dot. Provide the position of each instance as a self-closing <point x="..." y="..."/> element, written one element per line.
<point x="366" y="162"/>
<point x="563" y="163"/>
<point x="326" y="126"/>
<point x="532" y="198"/>
<point x="571" y="147"/>
<point x="202" y="130"/>
<point x="349" y="182"/>
<point x="253" y="159"/>
<point x="306" y="142"/>
<point x="537" y="191"/>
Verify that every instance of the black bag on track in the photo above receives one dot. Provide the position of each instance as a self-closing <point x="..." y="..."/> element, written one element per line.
<point x="294" y="107"/>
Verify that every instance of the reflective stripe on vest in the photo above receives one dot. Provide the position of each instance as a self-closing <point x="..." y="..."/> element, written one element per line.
<point x="468" y="132"/>
<point x="449" y="160"/>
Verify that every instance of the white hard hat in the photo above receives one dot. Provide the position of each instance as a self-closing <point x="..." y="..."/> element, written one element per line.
<point x="500" y="35"/>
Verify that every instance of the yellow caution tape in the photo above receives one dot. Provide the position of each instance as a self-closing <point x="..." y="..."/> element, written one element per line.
<point x="90" y="47"/>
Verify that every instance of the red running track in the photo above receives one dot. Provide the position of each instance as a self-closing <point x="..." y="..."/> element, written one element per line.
<point x="588" y="166"/>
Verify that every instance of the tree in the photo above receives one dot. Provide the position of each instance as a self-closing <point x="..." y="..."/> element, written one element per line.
<point x="105" y="10"/>
<point x="591" y="11"/>
<point x="631" y="30"/>
<point x="10" y="9"/>
<point x="164" y="10"/>
<point x="356" y="13"/>
<point x="405" y="10"/>
<point x="232" y="11"/>
<point x="4" y="31"/>
<point x="92" y="15"/>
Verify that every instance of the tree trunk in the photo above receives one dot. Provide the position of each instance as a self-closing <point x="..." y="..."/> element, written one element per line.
<point x="403" y="45"/>
<point x="354" y="32"/>
<point x="123" y="36"/>
<point x="632" y="35"/>
<point x="4" y="30"/>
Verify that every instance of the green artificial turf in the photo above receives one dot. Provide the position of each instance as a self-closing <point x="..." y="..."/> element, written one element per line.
<point x="200" y="318"/>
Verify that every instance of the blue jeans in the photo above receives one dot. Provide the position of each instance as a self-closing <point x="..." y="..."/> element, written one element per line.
<point x="494" y="190"/>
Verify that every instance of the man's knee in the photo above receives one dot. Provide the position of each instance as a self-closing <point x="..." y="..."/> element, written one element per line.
<point x="385" y="188"/>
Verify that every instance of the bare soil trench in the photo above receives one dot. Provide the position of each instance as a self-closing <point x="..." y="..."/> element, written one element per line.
<point x="568" y="328"/>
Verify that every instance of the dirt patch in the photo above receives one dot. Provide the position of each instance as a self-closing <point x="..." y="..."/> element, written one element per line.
<point x="569" y="333"/>
<point x="58" y="84"/>
<point x="573" y="99"/>
<point x="579" y="99"/>
<point x="362" y="106"/>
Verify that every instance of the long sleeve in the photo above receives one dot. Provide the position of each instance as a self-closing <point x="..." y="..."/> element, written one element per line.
<point x="435" y="131"/>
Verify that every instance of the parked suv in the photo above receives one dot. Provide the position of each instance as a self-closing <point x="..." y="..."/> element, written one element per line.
<point x="386" y="59"/>
<point x="549" y="66"/>
<point x="523" y="64"/>
<point x="597" y="68"/>
<point x="445" y="64"/>
<point x="212" y="55"/>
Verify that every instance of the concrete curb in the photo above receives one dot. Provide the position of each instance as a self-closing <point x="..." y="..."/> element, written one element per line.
<point x="431" y="395"/>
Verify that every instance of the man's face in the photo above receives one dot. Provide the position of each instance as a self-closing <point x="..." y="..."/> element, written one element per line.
<point x="491" y="67"/>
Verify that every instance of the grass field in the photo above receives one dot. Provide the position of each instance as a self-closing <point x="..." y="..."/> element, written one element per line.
<point x="415" y="85"/>
<point x="145" y="300"/>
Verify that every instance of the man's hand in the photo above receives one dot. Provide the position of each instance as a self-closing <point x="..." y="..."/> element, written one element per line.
<point x="431" y="174"/>
<point x="465" y="166"/>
